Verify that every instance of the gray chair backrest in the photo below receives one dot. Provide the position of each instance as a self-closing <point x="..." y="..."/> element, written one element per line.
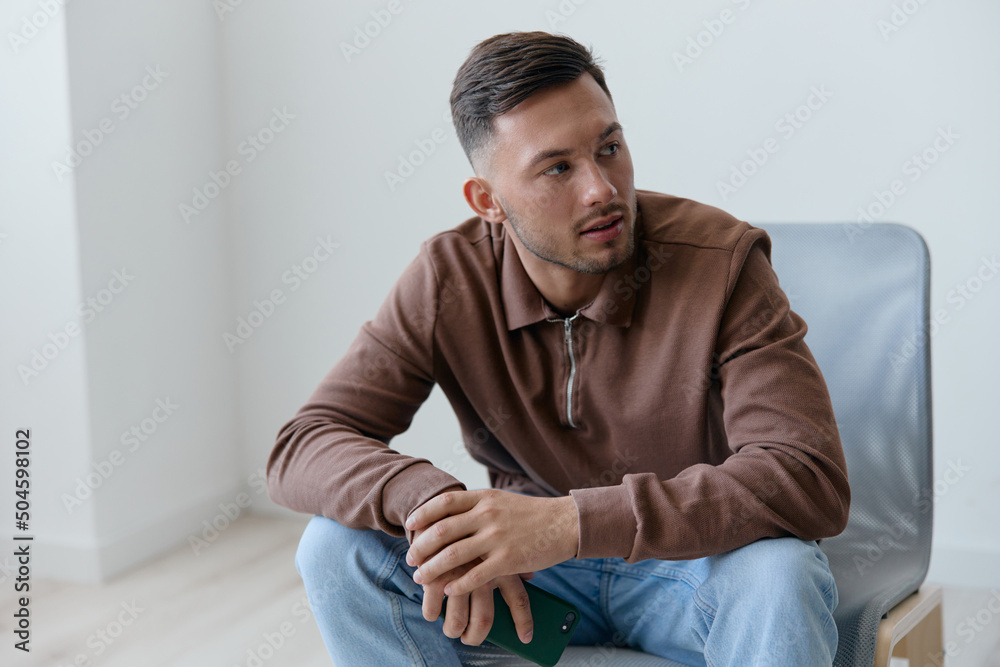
<point x="864" y="294"/>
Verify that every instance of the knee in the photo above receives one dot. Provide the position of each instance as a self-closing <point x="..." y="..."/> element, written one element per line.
<point x="786" y="566"/>
<point x="332" y="554"/>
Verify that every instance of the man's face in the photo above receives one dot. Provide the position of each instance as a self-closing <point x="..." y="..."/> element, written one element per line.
<point x="559" y="165"/>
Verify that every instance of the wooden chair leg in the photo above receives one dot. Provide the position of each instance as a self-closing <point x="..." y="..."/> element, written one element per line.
<point x="913" y="630"/>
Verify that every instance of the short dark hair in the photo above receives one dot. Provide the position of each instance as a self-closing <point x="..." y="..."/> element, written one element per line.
<point x="504" y="70"/>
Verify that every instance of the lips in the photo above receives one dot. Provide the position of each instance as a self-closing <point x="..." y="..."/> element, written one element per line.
<point x="607" y="221"/>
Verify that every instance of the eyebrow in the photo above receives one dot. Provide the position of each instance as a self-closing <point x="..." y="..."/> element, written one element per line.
<point x="559" y="152"/>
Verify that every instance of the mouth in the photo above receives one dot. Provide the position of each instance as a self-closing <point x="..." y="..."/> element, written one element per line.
<point x="604" y="223"/>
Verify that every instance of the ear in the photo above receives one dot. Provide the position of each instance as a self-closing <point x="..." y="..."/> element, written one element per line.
<point x="479" y="193"/>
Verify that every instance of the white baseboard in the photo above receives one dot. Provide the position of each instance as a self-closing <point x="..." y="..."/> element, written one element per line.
<point x="104" y="559"/>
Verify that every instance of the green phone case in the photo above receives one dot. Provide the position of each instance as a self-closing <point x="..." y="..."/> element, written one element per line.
<point x="550" y="615"/>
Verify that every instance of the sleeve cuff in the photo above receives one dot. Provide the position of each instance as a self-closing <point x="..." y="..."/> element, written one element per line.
<point x="607" y="522"/>
<point x="410" y="488"/>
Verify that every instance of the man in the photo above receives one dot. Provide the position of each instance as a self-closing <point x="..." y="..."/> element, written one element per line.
<point x="659" y="439"/>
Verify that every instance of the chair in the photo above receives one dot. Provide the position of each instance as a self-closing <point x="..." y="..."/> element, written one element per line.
<point x="864" y="293"/>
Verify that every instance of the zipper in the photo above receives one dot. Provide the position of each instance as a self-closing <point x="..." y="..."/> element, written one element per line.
<point x="568" y="328"/>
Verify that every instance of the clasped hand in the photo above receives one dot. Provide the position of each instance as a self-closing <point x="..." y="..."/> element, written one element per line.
<point x="466" y="543"/>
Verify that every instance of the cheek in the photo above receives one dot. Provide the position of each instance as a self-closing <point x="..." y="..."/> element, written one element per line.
<point x="625" y="169"/>
<point x="546" y="206"/>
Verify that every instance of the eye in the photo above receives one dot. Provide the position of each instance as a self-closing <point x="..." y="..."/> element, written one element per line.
<point x="616" y="146"/>
<point x="561" y="164"/>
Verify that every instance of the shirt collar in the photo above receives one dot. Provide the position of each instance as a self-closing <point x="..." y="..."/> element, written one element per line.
<point x="523" y="304"/>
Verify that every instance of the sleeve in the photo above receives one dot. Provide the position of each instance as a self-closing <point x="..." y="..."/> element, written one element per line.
<point x="787" y="475"/>
<point x="332" y="457"/>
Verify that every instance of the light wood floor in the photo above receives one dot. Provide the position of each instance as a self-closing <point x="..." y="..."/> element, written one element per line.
<point x="212" y="609"/>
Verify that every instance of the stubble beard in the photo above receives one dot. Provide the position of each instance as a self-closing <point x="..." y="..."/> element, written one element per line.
<point x="547" y="249"/>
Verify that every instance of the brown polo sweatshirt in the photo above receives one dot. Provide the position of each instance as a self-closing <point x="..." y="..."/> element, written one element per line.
<point x="681" y="408"/>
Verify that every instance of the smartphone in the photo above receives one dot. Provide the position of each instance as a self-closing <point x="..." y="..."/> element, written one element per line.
<point x="554" y="619"/>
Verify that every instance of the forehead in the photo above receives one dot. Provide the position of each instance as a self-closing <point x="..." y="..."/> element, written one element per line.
<point x="565" y="116"/>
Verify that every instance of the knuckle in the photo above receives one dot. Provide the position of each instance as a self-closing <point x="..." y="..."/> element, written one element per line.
<point x="450" y="555"/>
<point x="521" y="601"/>
<point x="451" y="630"/>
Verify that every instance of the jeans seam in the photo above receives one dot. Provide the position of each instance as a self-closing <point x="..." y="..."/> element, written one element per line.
<point x="405" y="638"/>
<point x="670" y="574"/>
<point x="709" y="612"/>
<point x="605" y="598"/>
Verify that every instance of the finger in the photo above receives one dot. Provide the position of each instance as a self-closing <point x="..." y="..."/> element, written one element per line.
<point x="480" y="616"/>
<point x="440" y="506"/>
<point x="527" y="575"/>
<point x="452" y="556"/>
<point x="456" y="617"/>
<point x="475" y="577"/>
<point x="430" y="540"/>
<point x="431" y="605"/>
<point x="517" y="599"/>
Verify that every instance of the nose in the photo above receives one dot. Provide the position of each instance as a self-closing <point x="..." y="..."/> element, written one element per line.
<point x="597" y="188"/>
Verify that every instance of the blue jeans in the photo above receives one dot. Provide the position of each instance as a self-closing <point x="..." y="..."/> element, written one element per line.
<point x="768" y="603"/>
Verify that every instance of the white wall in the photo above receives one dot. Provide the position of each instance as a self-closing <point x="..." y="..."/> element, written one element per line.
<point x="40" y="278"/>
<point x="322" y="176"/>
<point x="157" y="339"/>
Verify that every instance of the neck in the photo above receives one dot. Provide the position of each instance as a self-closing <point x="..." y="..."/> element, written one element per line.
<point x="565" y="290"/>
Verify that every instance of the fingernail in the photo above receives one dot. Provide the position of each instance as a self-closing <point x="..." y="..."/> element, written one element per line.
<point x="409" y="559"/>
<point x="409" y="523"/>
<point x="447" y="589"/>
<point x="417" y="578"/>
<point x="527" y="637"/>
